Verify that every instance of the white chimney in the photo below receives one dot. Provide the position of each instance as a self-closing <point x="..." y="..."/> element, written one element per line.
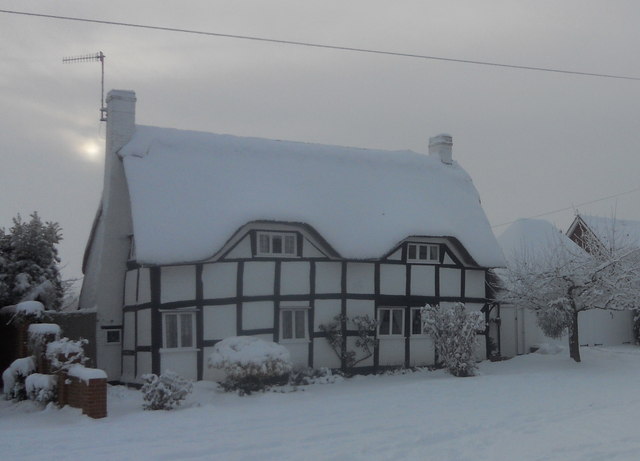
<point x="441" y="145"/>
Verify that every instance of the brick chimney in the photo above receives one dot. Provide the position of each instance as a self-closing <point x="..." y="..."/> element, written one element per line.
<point x="441" y="145"/>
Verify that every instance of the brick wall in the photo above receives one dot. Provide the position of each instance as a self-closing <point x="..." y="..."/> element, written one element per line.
<point x="90" y="396"/>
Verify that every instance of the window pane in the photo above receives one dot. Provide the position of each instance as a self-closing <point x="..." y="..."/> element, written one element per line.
<point x="300" y="324"/>
<point x="289" y="244"/>
<point x="433" y="253"/>
<point x="412" y="252"/>
<point x="423" y="252"/>
<point x="113" y="336"/>
<point x="276" y="244"/>
<point x="416" y="322"/>
<point x="171" y="333"/>
<point x="383" y="327"/>
<point x="186" y="330"/>
<point x="287" y="325"/>
<point x="396" y="326"/>
<point x="264" y="243"/>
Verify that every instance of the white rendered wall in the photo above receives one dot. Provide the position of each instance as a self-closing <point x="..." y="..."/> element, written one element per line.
<point x="258" y="278"/>
<point x="178" y="283"/>
<point x="449" y="282"/>
<point x="219" y="321"/>
<point x="391" y="351"/>
<point x="294" y="278"/>
<point x="323" y="355"/>
<point x="360" y="278"/>
<point x="423" y="280"/>
<point x="144" y="286"/>
<point x="393" y="279"/>
<point x="422" y="351"/>
<point x="328" y="277"/>
<point x="325" y="311"/>
<point x="182" y="362"/>
<point x="474" y="284"/>
<point x="131" y="287"/>
<point x="257" y="315"/>
<point x="219" y="280"/>
<point x="144" y="327"/>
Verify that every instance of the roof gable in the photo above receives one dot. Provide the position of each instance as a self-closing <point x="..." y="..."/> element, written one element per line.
<point x="190" y="191"/>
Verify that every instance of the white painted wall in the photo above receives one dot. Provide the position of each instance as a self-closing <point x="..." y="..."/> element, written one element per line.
<point x="130" y="288"/>
<point x="144" y="286"/>
<point x="449" y="282"/>
<point x="393" y="279"/>
<point x="219" y="321"/>
<point x="178" y="283"/>
<point x="360" y="278"/>
<point x="258" y="278"/>
<point x="325" y="311"/>
<point x="219" y="280"/>
<point x="258" y="314"/>
<point x="474" y="284"/>
<point x="328" y="277"/>
<point x="294" y="278"/>
<point x="144" y="327"/>
<point x="423" y="280"/>
<point x="182" y="362"/>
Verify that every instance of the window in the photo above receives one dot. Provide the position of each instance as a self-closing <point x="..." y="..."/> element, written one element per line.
<point x="391" y="321"/>
<point x="416" y="321"/>
<point x="113" y="336"/>
<point x="277" y="244"/>
<point x="179" y="328"/>
<point x="293" y="324"/>
<point x="423" y="252"/>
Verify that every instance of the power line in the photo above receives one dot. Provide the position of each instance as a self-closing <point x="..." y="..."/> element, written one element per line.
<point x="573" y="207"/>
<point x="320" y="45"/>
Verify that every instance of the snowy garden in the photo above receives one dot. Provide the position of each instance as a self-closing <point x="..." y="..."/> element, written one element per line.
<point x="531" y="407"/>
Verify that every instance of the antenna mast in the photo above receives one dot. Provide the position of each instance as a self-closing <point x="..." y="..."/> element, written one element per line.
<point x="99" y="56"/>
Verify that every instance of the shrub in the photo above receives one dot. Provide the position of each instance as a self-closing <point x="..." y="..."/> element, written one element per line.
<point x="250" y="363"/>
<point x="453" y="330"/>
<point x="65" y="352"/>
<point x="365" y="327"/>
<point x="14" y="378"/>
<point x="164" y="392"/>
<point x="41" y="388"/>
<point x="306" y="376"/>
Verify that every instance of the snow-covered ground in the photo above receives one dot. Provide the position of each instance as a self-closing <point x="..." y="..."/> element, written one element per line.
<point x="534" y="407"/>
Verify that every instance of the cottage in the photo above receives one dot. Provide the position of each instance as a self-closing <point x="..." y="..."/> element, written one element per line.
<point x="202" y="236"/>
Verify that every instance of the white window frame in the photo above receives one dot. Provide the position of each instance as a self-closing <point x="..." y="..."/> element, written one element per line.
<point x="430" y="249"/>
<point x="390" y="334"/>
<point x="293" y="310"/>
<point x="271" y="235"/>
<point x="179" y="314"/>
<point x="422" y="333"/>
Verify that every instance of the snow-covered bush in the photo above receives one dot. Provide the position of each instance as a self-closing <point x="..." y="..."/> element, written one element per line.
<point x="164" y="392"/>
<point x="14" y="378"/>
<point x="365" y="342"/>
<point x="41" y="388"/>
<point x="306" y="376"/>
<point x="39" y="334"/>
<point x="453" y="330"/>
<point x="65" y="352"/>
<point x="250" y="363"/>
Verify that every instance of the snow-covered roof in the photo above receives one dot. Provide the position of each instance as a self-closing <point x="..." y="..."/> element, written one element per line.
<point x="534" y="240"/>
<point x="613" y="230"/>
<point x="190" y="191"/>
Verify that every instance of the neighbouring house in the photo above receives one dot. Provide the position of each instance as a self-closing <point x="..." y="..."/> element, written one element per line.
<point x="533" y="239"/>
<point x="608" y="232"/>
<point x="202" y="236"/>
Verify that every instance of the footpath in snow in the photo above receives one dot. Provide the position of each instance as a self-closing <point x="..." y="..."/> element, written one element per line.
<point x="534" y="407"/>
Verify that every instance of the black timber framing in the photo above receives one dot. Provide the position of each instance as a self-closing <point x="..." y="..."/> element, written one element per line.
<point x="199" y="321"/>
<point x="156" y="319"/>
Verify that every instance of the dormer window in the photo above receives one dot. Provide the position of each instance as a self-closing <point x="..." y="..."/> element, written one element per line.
<point x="281" y="244"/>
<point x="423" y="253"/>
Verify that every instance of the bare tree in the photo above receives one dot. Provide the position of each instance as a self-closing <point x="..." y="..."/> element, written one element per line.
<point x="560" y="279"/>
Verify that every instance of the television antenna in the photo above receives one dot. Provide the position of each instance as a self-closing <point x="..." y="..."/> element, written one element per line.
<point x="99" y="56"/>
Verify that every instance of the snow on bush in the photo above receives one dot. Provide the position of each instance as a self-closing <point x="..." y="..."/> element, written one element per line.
<point x="41" y="388"/>
<point x="39" y="333"/>
<point x="251" y="363"/>
<point x="14" y="378"/>
<point x="164" y="392"/>
<point x="307" y="376"/>
<point x="453" y="330"/>
<point x="65" y="352"/>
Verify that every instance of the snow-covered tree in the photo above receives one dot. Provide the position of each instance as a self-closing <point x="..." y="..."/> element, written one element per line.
<point x="558" y="279"/>
<point x="29" y="262"/>
<point x="454" y="332"/>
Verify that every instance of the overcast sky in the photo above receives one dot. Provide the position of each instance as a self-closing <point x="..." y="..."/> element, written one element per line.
<point x="533" y="142"/>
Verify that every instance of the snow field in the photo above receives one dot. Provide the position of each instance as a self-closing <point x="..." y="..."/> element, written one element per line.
<point x="534" y="407"/>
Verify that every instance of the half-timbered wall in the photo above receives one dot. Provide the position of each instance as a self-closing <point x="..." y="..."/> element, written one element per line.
<point x="174" y="315"/>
